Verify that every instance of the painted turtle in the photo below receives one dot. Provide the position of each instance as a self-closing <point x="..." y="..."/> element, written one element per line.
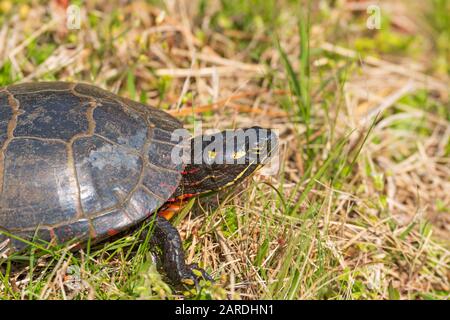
<point x="78" y="162"/>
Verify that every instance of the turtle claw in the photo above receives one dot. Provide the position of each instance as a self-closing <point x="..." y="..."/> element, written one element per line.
<point x="193" y="274"/>
<point x="173" y="259"/>
<point x="200" y="272"/>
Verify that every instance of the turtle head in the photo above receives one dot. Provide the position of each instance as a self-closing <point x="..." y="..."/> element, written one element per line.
<point x="226" y="158"/>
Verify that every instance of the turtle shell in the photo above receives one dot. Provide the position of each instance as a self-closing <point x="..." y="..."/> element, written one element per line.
<point x="77" y="161"/>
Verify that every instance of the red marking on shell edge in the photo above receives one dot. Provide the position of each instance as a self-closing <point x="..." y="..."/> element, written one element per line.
<point x="112" y="232"/>
<point x="190" y="171"/>
<point x="182" y="197"/>
<point x="187" y="196"/>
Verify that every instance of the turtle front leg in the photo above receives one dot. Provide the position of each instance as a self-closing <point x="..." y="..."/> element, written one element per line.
<point x="166" y="236"/>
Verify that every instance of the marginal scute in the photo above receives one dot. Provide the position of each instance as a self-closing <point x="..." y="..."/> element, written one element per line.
<point x="39" y="86"/>
<point x="159" y="182"/>
<point x="39" y="236"/>
<point x="6" y="114"/>
<point x="92" y="91"/>
<point x="39" y="188"/>
<point x="156" y="116"/>
<point x="165" y="122"/>
<point x="120" y="125"/>
<point x="141" y="204"/>
<point x="163" y="135"/>
<point x="78" y="230"/>
<point x="165" y="155"/>
<point x="107" y="173"/>
<point x="51" y="115"/>
<point x="111" y="223"/>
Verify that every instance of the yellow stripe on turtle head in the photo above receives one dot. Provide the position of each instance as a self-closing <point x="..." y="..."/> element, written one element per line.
<point x="212" y="154"/>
